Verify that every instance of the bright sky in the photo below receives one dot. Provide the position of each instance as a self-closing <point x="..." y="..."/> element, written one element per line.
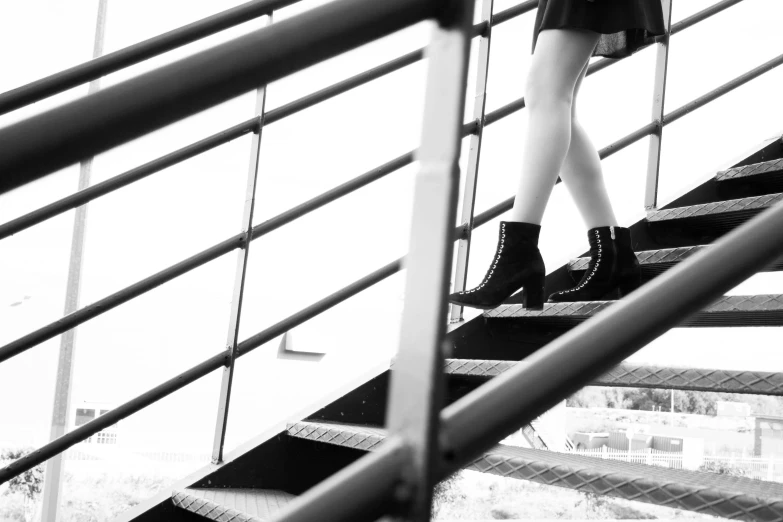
<point x="159" y="221"/>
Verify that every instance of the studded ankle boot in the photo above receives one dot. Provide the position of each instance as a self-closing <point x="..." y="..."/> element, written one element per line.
<point x="517" y="264"/>
<point x="613" y="270"/>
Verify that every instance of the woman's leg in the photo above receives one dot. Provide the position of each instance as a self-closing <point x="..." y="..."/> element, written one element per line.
<point x="559" y="58"/>
<point x="582" y="175"/>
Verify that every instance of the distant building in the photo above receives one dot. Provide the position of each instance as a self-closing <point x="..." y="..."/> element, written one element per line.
<point x="88" y="411"/>
<point x="768" y="439"/>
<point x="732" y="409"/>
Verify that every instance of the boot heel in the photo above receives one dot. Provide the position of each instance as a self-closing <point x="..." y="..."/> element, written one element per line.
<point x="628" y="285"/>
<point x="531" y="296"/>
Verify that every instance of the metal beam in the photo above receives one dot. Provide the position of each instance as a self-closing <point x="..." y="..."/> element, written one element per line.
<point x="48" y="142"/>
<point x="474" y="157"/>
<point x="61" y="408"/>
<point x="416" y="388"/>
<point x="98" y="67"/>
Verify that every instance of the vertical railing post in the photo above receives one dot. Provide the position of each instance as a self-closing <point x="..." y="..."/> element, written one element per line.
<point x="659" y="95"/>
<point x="239" y="279"/>
<point x="65" y="363"/>
<point x="471" y="178"/>
<point x="417" y="376"/>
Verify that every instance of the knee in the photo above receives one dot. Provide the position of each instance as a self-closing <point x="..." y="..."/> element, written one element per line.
<point x="543" y="91"/>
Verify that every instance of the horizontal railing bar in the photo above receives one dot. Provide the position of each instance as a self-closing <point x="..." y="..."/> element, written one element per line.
<point x="570" y="362"/>
<point x="88" y="126"/>
<point x="109" y="63"/>
<point x="82" y="197"/>
<point x="723" y="89"/>
<point x="331" y="195"/>
<point x="216" y="361"/>
<point x="122" y="180"/>
<point x="513" y="12"/>
<point x="112" y="62"/>
<point x="126" y="294"/>
<point x="382" y="70"/>
<point x="702" y="15"/>
<point x="110" y="418"/>
<point x="343" y="86"/>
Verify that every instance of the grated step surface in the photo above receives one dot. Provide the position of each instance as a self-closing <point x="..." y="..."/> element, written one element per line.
<point x="719" y="215"/>
<point x="764" y="171"/>
<point x="232" y="505"/>
<point x="714" y="494"/>
<point x="643" y="376"/>
<point x="735" y="310"/>
<point x="654" y="262"/>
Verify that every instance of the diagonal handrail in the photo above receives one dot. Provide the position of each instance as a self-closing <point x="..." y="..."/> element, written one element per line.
<point x="112" y="62"/>
<point x="88" y="126"/>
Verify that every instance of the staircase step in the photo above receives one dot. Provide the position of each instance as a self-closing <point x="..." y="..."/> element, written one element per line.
<point x="769" y="173"/>
<point x="655" y="262"/>
<point x="735" y="310"/>
<point x="643" y="376"/>
<point x="713" y="494"/>
<point x="716" y="217"/>
<point x="235" y="505"/>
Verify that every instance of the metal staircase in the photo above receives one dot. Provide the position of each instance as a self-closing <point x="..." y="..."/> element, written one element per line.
<point x="450" y="395"/>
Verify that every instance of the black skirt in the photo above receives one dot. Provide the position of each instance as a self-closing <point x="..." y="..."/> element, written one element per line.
<point x="623" y="24"/>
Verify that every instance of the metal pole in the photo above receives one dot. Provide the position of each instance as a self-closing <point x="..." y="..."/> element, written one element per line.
<point x="469" y="196"/>
<point x="239" y="278"/>
<point x="62" y="391"/>
<point x="654" y="153"/>
<point x="415" y="395"/>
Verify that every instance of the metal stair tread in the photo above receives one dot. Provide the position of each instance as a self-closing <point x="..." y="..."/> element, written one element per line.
<point x="715" y="209"/>
<point x="748" y="171"/>
<point x="646" y="376"/>
<point x="714" y="494"/>
<point x="735" y="310"/>
<point x="660" y="259"/>
<point x="234" y="505"/>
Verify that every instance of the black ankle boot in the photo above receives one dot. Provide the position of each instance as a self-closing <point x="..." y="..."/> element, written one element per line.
<point x="517" y="263"/>
<point x="613" y="271"/>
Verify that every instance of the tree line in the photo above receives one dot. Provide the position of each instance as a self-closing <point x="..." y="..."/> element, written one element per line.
<point x="685" y="401"/>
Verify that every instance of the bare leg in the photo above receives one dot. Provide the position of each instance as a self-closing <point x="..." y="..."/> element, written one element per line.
<point x="582" y="175"/>
<point x="558" y="61"/>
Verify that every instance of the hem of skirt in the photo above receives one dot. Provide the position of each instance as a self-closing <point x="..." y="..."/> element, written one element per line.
<point x="605" y="55"/>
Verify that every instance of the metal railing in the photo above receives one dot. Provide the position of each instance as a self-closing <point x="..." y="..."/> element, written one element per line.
<point x="397" y="478"/>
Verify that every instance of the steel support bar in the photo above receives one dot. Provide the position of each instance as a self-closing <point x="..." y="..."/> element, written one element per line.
<point x="416" y="387"/>
<point x="122" y="180"/>
<point x="659" y="95"/>
<point x="723" y="89"/>
<point x="88" y="126"/>
<point x="570" y="362"/>
<point x="64" y="80"/>
<point x="474" y="157"/>
<point x="180" y="381"/>
<point x="126" y="294"/>
<point x="94" y="69"/>
<point x="240" y="274"/>
<point x="52" y="487"/>
<point x="703" y="15"/>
